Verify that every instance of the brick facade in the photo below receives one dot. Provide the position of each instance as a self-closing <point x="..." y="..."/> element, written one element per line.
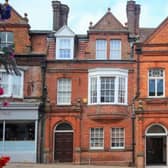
<point x="153" y="111"/>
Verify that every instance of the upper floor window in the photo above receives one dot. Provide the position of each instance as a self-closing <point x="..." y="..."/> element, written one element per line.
<point x="64" y="91"/>
<point x="101" y="46"/>
<point x="64" y="48"/>
<point x="108" y="86"/>
<point x="12" y="84"/>
<point x="6" y="39"/>
<point x="115" y="49"/>
<point x="156" y="83"/>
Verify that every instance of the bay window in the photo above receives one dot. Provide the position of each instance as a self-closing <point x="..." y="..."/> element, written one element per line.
<point x="11" y="84"/>
<point x="108" y="86"/>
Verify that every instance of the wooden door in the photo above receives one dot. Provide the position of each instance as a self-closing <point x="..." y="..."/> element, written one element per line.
<point x="154" y="150"/>
<point x="63" y="147"/>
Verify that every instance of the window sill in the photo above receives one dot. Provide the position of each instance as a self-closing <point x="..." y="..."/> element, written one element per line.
<point x="107" y="104"/>
<point x="157" y="100"/>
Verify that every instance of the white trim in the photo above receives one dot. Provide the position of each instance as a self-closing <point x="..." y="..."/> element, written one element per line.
<point x="71" y="39"/>
<point x="63" y="131"/>
<point x="120" y="147"/>
<point x="156" y="134"/>
<point x="9" y="83"/>
<point x="94" y="147"/>
<point x="108" y="72"/>
<point x="119" y="49"/>
<point x="155" y="78"/>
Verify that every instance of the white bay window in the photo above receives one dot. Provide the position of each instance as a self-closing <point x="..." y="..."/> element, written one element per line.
<point x="11" y="84"/>
<point x="108" y="86"/>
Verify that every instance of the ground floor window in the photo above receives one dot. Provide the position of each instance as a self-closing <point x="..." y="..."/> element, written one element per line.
<point x="117" y="138"/>
<point x="96" y="138"/>
<point x="18" y="136"/>
<point x="17" y="130"/>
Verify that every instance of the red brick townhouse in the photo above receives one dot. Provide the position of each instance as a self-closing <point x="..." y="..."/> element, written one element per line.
<point x="91" y="83"/>
<point x="152" y="105"/>
<point x="20" y="120"/>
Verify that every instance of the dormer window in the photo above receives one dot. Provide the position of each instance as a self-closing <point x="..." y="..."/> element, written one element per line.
<point x="64" y="48"/>
<point x="65" y="43"/>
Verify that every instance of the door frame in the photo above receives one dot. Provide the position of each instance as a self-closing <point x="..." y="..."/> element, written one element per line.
<point x="62" y="131"/>
<point x="156" y="135"/>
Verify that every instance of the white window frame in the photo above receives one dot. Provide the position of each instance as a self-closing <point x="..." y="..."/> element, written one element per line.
<point x="64" y="91"/>
<point x="58" y="47"/>
<point x="6" y="41"/>
<point x="118" y="138"/>
<point x="101" y="49"/>
<point x="10" y="82"/>
<point x="98" y="138"/>
<point x="115" y="49"/>
<point x="108" y="72"/>
<point x="156" y="78"/>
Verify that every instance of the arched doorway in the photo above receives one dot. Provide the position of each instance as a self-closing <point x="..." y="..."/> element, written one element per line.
<point x="63" y="143"/>
<point x="156" y="145"/>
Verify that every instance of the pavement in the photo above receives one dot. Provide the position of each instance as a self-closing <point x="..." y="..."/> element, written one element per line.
<point x="28" y="165"/>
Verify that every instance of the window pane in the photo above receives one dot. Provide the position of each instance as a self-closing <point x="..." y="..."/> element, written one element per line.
<point x="20" y="131"/>
<point x="64" y="91"/>
<point x="65" y="50"/>
<point x="156" y="82"/>
<point x="6" y="39"/>
<point x="4" y="83"/>
<point x="117" y="137"/>
<point x="156" y="129"/>
<point x="160" y="87"/>
<point x="16" y="87"/>
<point x="12" y="84"/>
<point x="1" y="131"/>
<point x="152" y="87"/>
<point x="115" y="49"/>
<point x="101" y="49"/>
<point x="93" y="90"/>
<point x="96" y="138"/>
<point x="121" y="90"/>
<point x="107" y="89"/>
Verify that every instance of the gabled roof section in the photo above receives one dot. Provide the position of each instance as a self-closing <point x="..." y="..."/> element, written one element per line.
<point x="16" y="19"/>
<point x="65" y="31"/>
<point x="160" y="34"/>
<point x="108" y="23"/>
<point x="144" y="33"/>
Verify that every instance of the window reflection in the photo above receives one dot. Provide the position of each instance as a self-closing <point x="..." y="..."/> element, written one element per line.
<point x="20" y="131"/>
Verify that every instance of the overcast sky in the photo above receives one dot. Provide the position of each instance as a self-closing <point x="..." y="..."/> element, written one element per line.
<point x="153" y="12"/>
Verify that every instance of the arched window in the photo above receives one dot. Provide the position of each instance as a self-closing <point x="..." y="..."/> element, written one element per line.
<point x="156" y="130"/>
<point x="63" y="127"/>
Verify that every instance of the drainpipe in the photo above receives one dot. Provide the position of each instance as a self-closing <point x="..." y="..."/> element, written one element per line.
<point x="133" y="117"/>
<point x="42" y="111"/>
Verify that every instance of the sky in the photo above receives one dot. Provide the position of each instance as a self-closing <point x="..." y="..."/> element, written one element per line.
<point x="40" y="13"/>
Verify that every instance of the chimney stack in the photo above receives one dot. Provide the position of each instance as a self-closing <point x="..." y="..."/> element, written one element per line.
<point x="133" y="13"/>
<point x="60" y="14"/>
